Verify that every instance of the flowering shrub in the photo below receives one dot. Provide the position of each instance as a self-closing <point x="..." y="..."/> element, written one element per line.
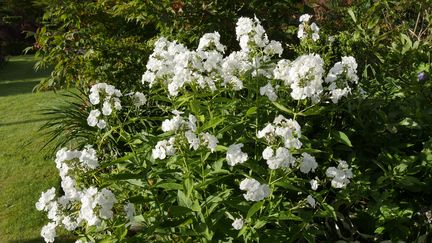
<point x="243" y="138"/>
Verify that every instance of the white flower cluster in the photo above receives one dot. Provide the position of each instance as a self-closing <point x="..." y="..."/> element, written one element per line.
<point x="87" y="157"/>
<point x="174" y="66"/>
<point x="186" y="128"/>
<point x="138" y="98"/>
<point x="78" y="205"/>
<point x="286" y="129"/>
<point x="251" y="35"/>
<point x="303" y="75"/>
<point x="110" y="97"/>
<point x="164" y="148"/>
<point x="234" y="154"/>
<point x="305" y="29"/>
<point x="308" y="163"/>
<point x="282" y="158"/>
<point x="289" y="131"/>
<point x="339" y="77"/>
<point x="254" y="190"/>
<point x="340" y="175"/>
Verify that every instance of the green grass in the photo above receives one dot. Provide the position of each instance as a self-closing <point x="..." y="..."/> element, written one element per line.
<point x="25" y="170"/>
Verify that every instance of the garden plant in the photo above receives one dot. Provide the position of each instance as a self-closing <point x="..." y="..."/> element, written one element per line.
<point x="317" y="139"/>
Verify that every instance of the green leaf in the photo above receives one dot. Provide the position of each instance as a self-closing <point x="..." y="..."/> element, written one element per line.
<point x="213" y="123"/>
<point x="351" y="13"/>
<point x="309" y="237"/>
<point x="196" y="206"/>
<point x="329" y="211"/>
<point x="136" y="182"/>
<point x="251" y="111"/>
<point x="254" y="209"/>
<point x="379" y="230"/>
<point x="283" y="108"/>
<point x="126" y="176"/>
<point x="217" y="165"/>
<point x="341" y="137"/>
<point x="315" y="110"/>
<point x="169" y="186"/>
<point x="183" y="200"/>
<point x="178" y="211"/>
<point x="289" y="186"/>
<point x="287" y="215"/>
<point x="259" y="224"/>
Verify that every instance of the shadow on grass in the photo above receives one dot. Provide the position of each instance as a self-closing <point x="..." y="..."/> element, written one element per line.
<point x="17" y="88"/>
<point x="17" y="76"/>
<point x="22" y="122"/>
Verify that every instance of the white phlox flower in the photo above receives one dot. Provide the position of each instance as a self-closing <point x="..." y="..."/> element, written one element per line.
<point x="139" y="99"/>
<point x="315" y="31"/>
<point x="106" y="199"/>
<point x="211" y="41"/>
<point x="89" y="158"/>
<point x="341" y="175"/>
<point x="45" y="199"/>
<point x="238" y="224"/>
<point x="305" y="30"/>
<point x="78" y="205"/>
<point x="173" y="124"/>
<point x="340" y="76"/>
<point x="314" y="184"/>
<point x="305" y="18"/>
<point x="268" y="132"/>
<point x="111" y="99"/>
<point x="48" y="232"/>
<point x="53" y="212"/>
<point x="304" y="76"/>
<point x="253" y="39"/>
<point x="235" y="156"/>
<point x="87" y="205"/>
<point x="281" y="70"/>
<point x="70" y="223"/>
<point x="94" y="98"/>
<point x="101" y="124"/>
<point x="193" y="140"/>
<point x="164" y="148"/>
<point x="186" y="128"/>
<point x="273" y="48"/>
<point x="129" y="209"/>
<point x="92" y="119"/>
<point x="282" y="158"/>
<point x="233" y="66"/>
<point x="311" y="201"/>
<point x="269" y="91"/>
<point x="289" y="130"/>
<point x="174" y="66"/>
<point x="192" y="123"/>
<point x="254" y="190"/>
<point x="106" y="108"/>
<point x="308" y="163"/>
<point x="210" y="140"/>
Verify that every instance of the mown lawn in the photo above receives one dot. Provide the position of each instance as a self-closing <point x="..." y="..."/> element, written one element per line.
<point x="25" y="169"/>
